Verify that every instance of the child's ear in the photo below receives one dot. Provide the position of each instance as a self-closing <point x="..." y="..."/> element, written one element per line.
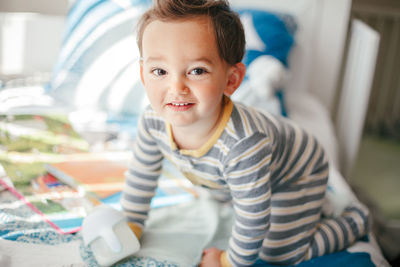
<point x="235" y="78"/>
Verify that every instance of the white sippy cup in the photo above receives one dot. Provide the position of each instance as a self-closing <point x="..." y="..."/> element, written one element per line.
<point x="106" y="231"/>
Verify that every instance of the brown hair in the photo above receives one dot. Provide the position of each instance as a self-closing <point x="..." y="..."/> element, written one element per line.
<point x="228" y="28"/>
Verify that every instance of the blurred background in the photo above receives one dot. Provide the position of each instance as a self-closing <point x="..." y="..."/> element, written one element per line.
<point x="26" y="59"/>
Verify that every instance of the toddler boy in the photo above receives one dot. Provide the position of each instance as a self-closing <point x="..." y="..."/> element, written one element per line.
<point x="274" y="172"/>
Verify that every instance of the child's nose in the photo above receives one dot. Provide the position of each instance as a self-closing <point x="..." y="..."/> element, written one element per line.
<point x="179" y="86"/>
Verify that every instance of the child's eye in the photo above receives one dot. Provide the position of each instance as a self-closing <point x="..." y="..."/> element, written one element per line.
<point x="159" y="72"/>
<point x="198" y="71"/>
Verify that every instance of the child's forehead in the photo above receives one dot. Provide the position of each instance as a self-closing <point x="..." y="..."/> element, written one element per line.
<point x="183" y="38"/>
<point x="199" y="21"/>
<point x="189" y="30"/>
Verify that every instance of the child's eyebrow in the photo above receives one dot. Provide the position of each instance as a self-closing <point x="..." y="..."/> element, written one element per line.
<point x="200" y="59"/>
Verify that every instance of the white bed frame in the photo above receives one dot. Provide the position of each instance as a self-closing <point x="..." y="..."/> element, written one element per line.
<point x="316" y="64"/>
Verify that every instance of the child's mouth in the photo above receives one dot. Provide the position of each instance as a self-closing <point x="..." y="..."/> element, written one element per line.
<point x="180" y="106"/>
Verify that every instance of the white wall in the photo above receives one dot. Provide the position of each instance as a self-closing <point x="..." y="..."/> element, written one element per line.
<point x="29" y="42"/>
<point x="30" y="35"/>
<point x="54" y="7"/>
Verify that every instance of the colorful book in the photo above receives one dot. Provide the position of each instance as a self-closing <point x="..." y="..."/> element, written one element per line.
<point x="103" y="178"/>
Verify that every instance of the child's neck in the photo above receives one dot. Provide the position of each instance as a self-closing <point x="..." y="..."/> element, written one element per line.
<point x="194" y="137"/>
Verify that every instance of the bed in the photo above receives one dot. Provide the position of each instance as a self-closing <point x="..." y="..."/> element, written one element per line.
<point x="294" y="55"/>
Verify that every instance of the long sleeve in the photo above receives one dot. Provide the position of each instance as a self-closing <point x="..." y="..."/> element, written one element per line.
<point x="248" y="177"/>
<point x="141" y="178"/>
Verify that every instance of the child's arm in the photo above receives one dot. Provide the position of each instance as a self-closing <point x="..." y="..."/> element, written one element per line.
<point x="247" y="173"/>
<point x="141" y="178"/>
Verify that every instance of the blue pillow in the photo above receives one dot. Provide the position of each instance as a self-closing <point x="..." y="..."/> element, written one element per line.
<point x="267" y="33"/>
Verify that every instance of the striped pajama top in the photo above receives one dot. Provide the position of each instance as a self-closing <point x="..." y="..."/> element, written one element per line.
<point x="250" y="156"/>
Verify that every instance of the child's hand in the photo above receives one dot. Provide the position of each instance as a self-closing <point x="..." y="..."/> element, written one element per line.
<point x="211" y="258"/>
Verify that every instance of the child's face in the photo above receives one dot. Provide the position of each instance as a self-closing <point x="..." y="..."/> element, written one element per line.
<point x="184" y="76"/>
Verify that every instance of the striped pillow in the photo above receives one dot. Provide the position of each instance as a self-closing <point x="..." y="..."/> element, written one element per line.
<point x="98" y="67"/>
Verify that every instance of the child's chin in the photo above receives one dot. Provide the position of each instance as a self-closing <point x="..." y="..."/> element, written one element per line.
<point x="179" y="122"/>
